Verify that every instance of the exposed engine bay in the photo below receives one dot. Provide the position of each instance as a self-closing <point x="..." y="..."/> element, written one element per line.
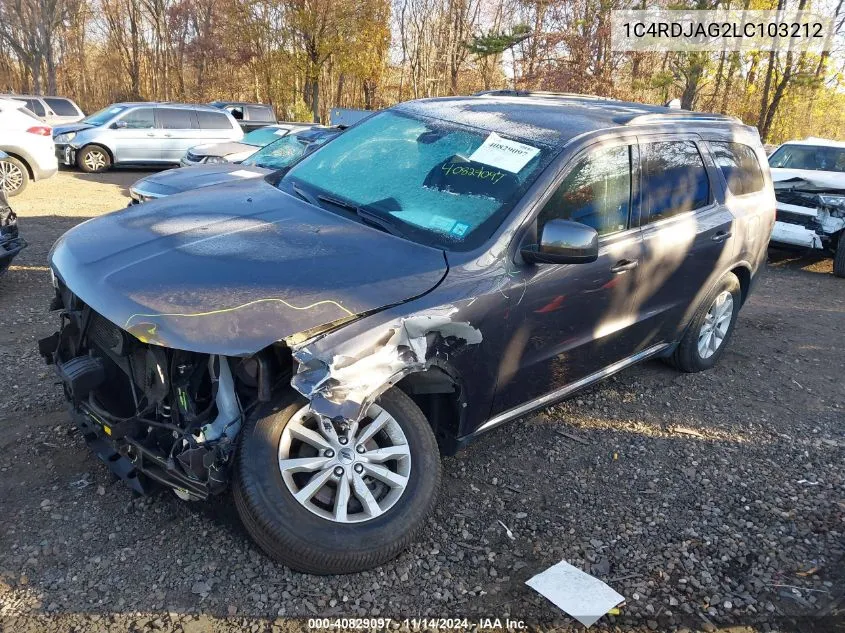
<point x="153" y="414"/>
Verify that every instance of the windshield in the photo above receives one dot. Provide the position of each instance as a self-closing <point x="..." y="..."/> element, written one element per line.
<point x="106" y="114"/>
<point x="277" y="155"/>
<point x="262" y="136"/>
<point x="445" y="184"/>
<point x="813" y="157"/>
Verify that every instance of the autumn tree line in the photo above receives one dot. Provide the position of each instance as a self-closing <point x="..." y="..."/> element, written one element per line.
<point x="308" y="56"/>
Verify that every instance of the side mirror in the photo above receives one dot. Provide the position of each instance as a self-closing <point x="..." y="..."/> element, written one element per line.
<point x="119" y="125"/>
<point x="564" y="242"/>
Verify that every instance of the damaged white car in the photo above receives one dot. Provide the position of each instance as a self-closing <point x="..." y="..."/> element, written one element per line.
<point x="809" y="181"/>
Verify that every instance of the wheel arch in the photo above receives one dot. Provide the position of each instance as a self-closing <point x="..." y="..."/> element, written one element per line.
<point x="439" y="394"/>
<point x="24" y="161"/>
<point x="743" y="273"/>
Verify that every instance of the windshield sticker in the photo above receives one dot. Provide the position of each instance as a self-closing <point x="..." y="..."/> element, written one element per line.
<point x="461" y="169"/>
<point x="115" y="110"/>
<point x="460" y="229"/>
<point x="503" y="153"/>
<point x="440" y="223"/>
<point x="280" y="132"/>
<point x="243" y="173"/>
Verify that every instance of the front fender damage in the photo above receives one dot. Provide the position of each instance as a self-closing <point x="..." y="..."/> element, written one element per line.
<point x="342" y="381"/>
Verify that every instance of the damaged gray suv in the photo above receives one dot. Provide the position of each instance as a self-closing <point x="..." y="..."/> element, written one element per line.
<point x="319" y="337"/>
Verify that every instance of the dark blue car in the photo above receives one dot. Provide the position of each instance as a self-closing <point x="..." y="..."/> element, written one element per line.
<point x="317" y="337"/>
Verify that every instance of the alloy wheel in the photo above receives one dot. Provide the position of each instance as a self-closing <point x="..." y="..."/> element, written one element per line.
<point x="350" y="474"/>
<point x="11" y="177"/>
<point x="95" y="160"/>
<point x="716" y="323"/>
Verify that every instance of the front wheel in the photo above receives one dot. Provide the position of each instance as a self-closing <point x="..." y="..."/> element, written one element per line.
<point x="329" y="499"/>
<point x="711" y="327"/>
<point x="93" y="159"/>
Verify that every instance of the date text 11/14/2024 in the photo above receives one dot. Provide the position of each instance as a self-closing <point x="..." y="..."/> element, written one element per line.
<point x="416" y="624"/>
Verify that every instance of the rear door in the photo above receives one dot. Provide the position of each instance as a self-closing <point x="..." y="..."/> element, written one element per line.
<point x="180" y="131"/>
<point x="686" y="227"/>
<point x="136" y="138"/>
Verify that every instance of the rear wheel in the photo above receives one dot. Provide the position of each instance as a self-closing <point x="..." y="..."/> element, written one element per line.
<point x="93" y="159"/>
<point x="327" y="499"/>
<point x="711" y="327"/>
<point x="839" y="256"/>
<point x="14" y="176"/>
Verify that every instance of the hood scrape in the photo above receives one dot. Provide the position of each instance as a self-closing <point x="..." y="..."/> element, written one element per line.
<point x="343" y="384"/>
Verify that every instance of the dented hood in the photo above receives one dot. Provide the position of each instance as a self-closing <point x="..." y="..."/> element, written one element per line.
<point x="232" y="268"/>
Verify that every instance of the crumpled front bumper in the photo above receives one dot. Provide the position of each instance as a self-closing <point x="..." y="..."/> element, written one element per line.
<point x="796" y="235"/>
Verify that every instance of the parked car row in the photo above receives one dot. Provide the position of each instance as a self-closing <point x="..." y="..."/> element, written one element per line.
<point x="276" y="155"/>
<point x="316" y="337"/>
<point x="147" y="133"/>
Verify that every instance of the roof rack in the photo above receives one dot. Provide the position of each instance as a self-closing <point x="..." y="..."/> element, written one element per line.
<point x="507" y="92"/>
<point x="682" y="115"/>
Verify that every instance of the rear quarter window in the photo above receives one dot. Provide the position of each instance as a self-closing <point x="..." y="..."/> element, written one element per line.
<point x="35" y="106"/>
<point x="738" y="164"/>
<point x="213" y="120"/>
<point x="176" y="119"/>
<point x="260" y="113"/>
<point x="674" y="179"/>
<point x="62" y="107"/>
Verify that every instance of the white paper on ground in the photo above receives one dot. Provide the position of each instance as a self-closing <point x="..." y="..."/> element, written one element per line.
<point x="243" y="173"/>
<point x="584" y="597"/>
<point x="503" y="153"/>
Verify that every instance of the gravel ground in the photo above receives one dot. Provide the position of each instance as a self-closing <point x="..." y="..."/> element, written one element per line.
<point x="710" y="501"/>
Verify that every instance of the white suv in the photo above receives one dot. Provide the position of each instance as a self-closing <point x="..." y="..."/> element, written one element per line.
<point x="51" y="110"/>
<point x="29" y="144"/>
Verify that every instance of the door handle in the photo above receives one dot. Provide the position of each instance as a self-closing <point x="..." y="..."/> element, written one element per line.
<point x="168" y="135"/>
<point x="624" y="265"/>
<point x="721" y="236"/>
<point x="150" y="134"/>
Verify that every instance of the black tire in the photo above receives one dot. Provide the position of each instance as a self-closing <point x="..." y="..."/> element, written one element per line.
<point x="93" y="159"/>
<point x="293" y="535"/>
<point x="20" y="170"/>
<point x="686" y="356"/>
<point x="839" y="256"/>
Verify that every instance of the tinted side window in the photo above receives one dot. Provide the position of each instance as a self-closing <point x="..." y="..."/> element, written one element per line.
<point x="236" y="111"/>
<point x="34" y="105"/>
<point x="175" y="119"/>
<point x="62" y="107"/>
<point x="738" y="164"/>
<point x="674" y="180"/>
<point x="596" y="192"/>
<point x="213" y="120"/>
<point x="139" y="119"/>
<point x="260" y="113"/>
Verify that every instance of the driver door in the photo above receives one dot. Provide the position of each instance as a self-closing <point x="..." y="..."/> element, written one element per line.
<point x="572" y="320"/>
